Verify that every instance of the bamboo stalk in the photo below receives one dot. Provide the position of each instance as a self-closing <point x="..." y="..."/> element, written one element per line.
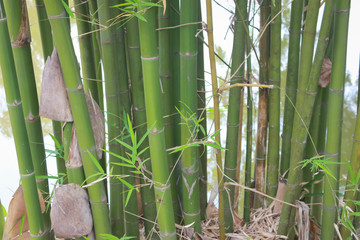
<point x="311" y="147"/>
<point x="108" y="51"/>
<point x="305" y="99"/>
<point x="166" y="78"/>
<point x="154" y="116"/>
<point x="14" y="103"/>
<point x="202" y="115"/>
<point x="174" y="7"/>
<point x="81" y="117"/>
<point x="215" y="95"/>
<point x="121" y="75"/>
<point x="274" y="100"/>
<point x="97" y="55"/>
<point x="188" y="107"/>
<point x="47" y="47"/>
<point x="291" y="82"/>
<point x="249" y="138"/>
<point x="74" y="174"/>
<point x="137" y="93"/>
<point x="2" y="219"/>
<point x="19" y="31"/>
<point x="88" y="68"/>
<point x="336" y="95"/>
<point x="233" y="120"/>
<point x="260" y="152"/>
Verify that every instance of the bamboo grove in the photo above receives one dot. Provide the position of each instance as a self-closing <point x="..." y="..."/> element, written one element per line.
<point x="137" y="121"/>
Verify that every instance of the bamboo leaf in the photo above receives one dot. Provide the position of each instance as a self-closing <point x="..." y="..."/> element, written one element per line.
<point x="118" y="156"/>
<point x="140" y="17"/>
<point x="142" y="151"/>
<point x="96" y="163"/>
<point x="126" y="183"/>
<point x="144" y="161"/>
<point x="3" y="210"/>
<point x="109" y="237"/>
<point x="123" y="165"/>
<point x="124" y="144"/>
<point x="57" y="144"/>
<point x="217" y="146"/>
<point x="67" y="9"/>
<point x="128" y="197"/>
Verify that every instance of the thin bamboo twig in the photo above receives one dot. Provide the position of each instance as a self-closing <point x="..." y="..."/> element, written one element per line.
<point x="215" y="94"/>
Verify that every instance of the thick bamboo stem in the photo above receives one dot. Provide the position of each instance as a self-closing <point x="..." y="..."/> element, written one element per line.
<point x="272" y="170"/>
<point x="336" y="98"/>
<point x="19" y="31"/>
<point x="69" y="64"/>
<point x="233" y="120"/>
<point x="154" y="116"/>
<point x="88" y="68"/>
<point x="291" y="82"/>
<point x="260" y="152"/>
<point x="307" y="88"/>
<point x="138" y="100"/>
<point x="167" y="81"/>
<point x="188" y="107"/>
<point x="17" y="121"/>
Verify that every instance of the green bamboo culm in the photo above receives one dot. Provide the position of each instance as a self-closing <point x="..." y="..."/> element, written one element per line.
<point x="19" y="31"/>
<point x="350" y="194"/>
<point x="69" y="64"/>
<point x="188" y="107"/>
<point x="14" y="103"/>
<point x="215" y="95"/>
<point x="113" y="116"/>
<point x="2" y="219"/>
<point x="260" y="152"/>
<point x="233" y="119"/>
<point x="166" y="78"/>
<point x="88" y="68"/>
<point x="249" y="138"/>
<point x="154" y="116"/>
<point x="47" y="47"/>
<point x="174" y="7"/>
<point x="75" y="174"/>
<point x="291" y="82"/>
<point x="274" y="100"/>
<point x="202" y="116"/>
<point x="336" y="98"/>
<point x="45" y="29"/>
<point x="137" y="93"/>
<point x="317" y="189"/>
<point x="93" y="10"/>
<point x="311" y="149"/>
<point x="305" y="101"/>
<point x="130" y="209"/>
